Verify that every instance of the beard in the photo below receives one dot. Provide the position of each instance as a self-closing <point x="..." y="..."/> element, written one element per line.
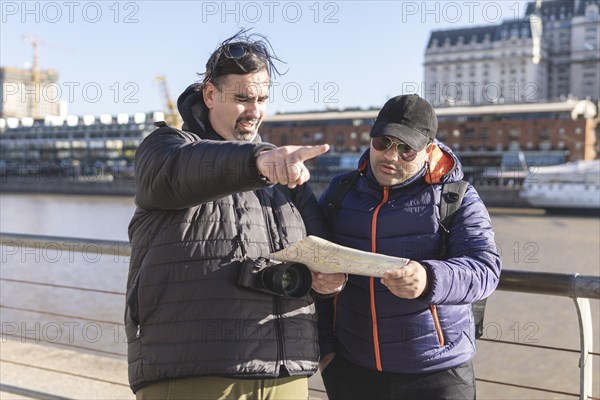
<point x="245" y="134"/>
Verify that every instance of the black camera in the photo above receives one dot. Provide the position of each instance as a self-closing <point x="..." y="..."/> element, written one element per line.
<point x="283" y="279"/>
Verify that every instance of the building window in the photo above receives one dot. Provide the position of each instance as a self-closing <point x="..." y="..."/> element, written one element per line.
<point x="365" y="138"/>
<point x="546" y="145"/>
<point x="514" y="133"/>
<point x="591" y="12"/>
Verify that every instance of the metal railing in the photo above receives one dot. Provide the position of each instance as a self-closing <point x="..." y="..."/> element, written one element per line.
<point x="580" y="288"/>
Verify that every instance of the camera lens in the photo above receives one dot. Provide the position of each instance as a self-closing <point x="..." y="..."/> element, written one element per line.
<point x="292" y="280"/>
<point x="286" y="280"/>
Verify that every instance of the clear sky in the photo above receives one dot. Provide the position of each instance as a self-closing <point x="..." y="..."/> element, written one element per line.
<point x="339" y="54"/>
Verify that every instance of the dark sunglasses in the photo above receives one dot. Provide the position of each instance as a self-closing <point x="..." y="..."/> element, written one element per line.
<point x="239" y="50"/>
<point x="233" y="51"/>
<point x="384" y="143"/>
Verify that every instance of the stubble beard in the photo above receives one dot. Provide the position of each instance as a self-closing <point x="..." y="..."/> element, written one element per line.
<point x="245" y="135"/>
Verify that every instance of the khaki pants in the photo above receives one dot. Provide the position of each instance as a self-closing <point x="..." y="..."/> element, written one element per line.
<point x="215" y="388"/>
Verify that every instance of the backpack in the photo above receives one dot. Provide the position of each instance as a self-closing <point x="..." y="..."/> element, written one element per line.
<point x="451" y="199"/>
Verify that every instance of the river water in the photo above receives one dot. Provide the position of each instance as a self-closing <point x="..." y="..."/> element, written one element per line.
<point x="88" y="319"/>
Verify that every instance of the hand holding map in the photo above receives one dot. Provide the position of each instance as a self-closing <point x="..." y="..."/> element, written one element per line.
<point x="323" y="256"/>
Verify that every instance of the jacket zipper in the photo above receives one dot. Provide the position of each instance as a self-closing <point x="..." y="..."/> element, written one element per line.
<point x="261" y="194"/>
<point x="281" y="349"/>
<point x="372" y="282"/>
<point x="438" y="326"/>
<point x="276" y="301"/>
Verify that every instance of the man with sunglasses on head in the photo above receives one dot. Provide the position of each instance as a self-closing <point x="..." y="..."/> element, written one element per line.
<point x="210" y="199"/>
<point x="409" y="334"/>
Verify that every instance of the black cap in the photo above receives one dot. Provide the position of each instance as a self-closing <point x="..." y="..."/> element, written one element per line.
<point x="408" y="118"/>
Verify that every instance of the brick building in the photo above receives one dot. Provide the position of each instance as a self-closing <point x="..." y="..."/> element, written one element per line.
<point x="546" y="133"/>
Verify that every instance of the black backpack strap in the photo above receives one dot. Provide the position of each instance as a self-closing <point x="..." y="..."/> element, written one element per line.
<point x="337" y="194"/>
<point x="452" y="197"/>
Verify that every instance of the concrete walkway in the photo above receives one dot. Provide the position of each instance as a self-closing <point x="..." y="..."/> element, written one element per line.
<point x="31" y="370"/>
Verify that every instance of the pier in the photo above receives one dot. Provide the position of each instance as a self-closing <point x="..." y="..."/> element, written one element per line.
<point x="36" y="363"/>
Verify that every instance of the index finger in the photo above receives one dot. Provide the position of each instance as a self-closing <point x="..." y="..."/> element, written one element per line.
<point x="308" y="152"/>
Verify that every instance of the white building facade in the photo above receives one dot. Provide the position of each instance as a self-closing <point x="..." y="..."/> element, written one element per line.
<point x="21" y="97"/>
<point x="551" y="54"/>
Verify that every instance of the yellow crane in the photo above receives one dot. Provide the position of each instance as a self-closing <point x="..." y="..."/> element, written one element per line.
<point x="172" y="117"/>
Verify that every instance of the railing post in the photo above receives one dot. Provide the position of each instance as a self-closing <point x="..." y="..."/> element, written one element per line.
<point x="586" y="339"/>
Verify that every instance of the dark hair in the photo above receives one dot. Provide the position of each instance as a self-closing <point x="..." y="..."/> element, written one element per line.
<point x="256" y="54"/>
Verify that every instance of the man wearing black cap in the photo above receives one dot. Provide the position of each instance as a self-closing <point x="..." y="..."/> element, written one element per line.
<point x="410" y="334"/>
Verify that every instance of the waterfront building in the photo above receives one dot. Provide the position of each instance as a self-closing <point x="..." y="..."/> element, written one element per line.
<point x="482" y="136"/>
<point x="503" y="136"/>
<point x="552" y="53"/>
<point x="76" y="146"/>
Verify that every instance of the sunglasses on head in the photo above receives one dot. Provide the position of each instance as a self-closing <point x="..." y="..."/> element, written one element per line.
<point x="233" y="51"/>
<point x="238" y="50"/>
<point x="384" y="143"/>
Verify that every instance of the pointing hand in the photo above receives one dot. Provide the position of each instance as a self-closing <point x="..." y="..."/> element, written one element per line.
<point x="285" y="165"/>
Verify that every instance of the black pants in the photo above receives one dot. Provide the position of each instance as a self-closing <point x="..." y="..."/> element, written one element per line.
<point x="345" y="380"/>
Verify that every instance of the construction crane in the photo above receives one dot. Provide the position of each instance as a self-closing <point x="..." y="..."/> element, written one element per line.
<point x="36" y="74"/>
<point x="171" y="116"/>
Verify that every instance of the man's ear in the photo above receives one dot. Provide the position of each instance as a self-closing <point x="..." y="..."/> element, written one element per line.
<point x="209" y="92"/>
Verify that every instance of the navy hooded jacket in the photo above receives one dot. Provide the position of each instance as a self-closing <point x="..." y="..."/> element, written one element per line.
<point x="370" y="326"/>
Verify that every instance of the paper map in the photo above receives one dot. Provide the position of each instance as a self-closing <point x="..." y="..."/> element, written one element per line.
<point x="321" y="255"/>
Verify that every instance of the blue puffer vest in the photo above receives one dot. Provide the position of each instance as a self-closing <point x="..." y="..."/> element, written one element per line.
<point x="370" y="326"/>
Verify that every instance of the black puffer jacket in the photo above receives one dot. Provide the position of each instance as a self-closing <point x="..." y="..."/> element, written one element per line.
<point x="201" y="207"/>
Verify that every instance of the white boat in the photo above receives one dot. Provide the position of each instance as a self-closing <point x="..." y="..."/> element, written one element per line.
<point x="573" y="186"/>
